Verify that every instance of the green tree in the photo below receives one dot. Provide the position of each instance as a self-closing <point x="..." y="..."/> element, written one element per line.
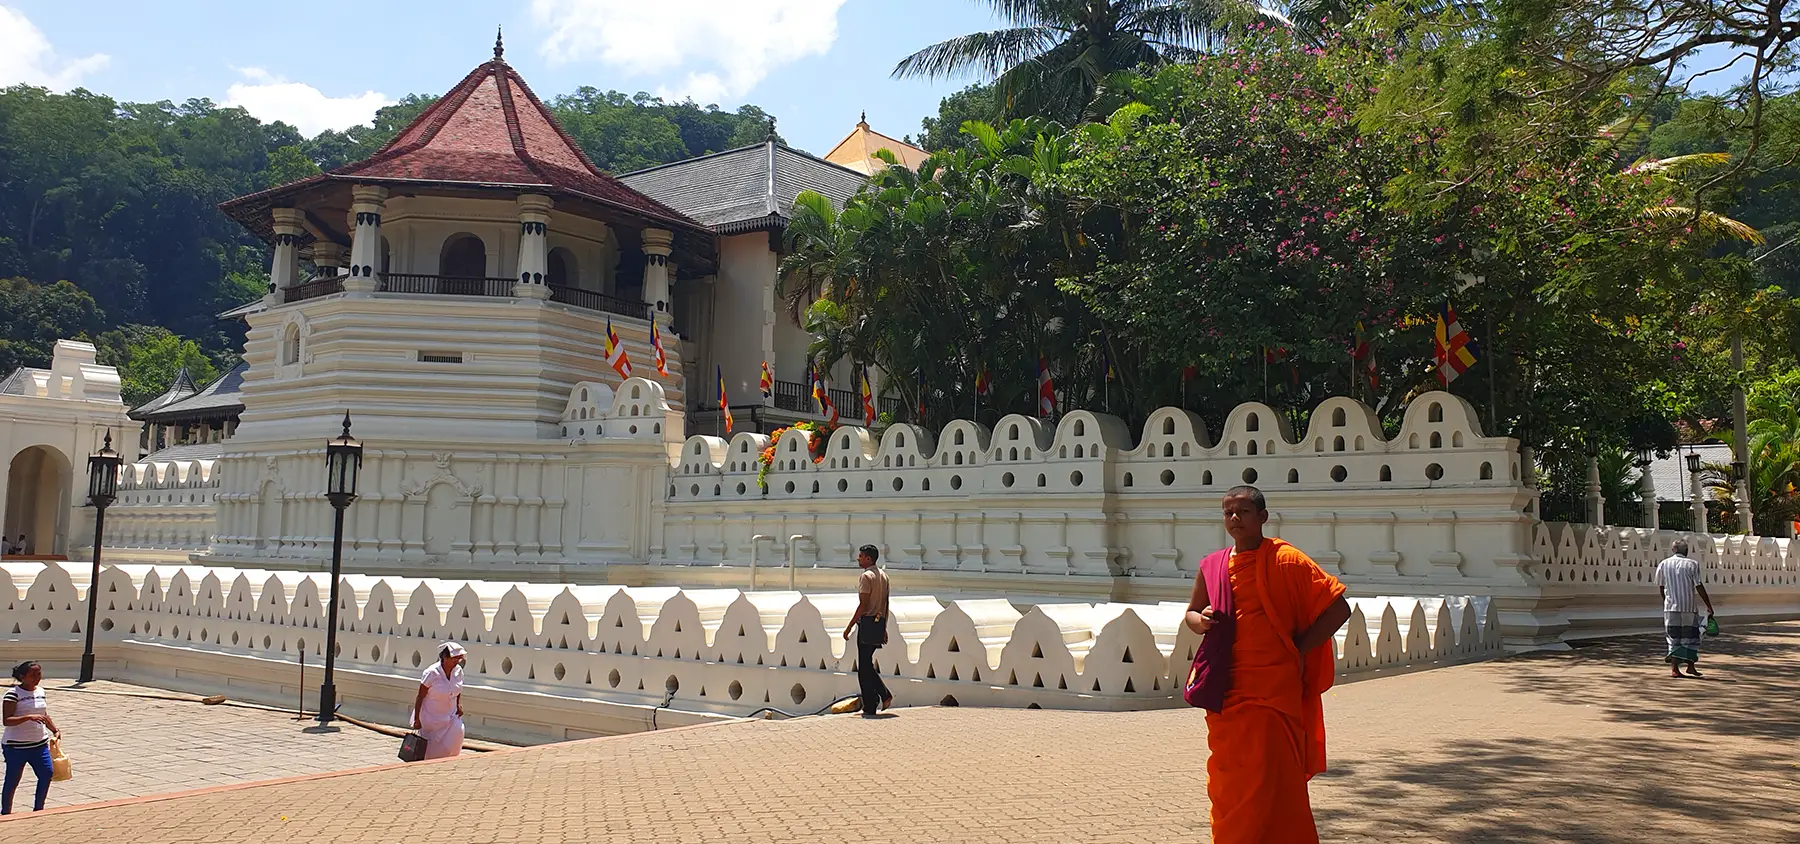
<point x="148" y="357"/>
<point x="33" y="318"/>
<point x="288" y="164"/>
<point x="1056" y="54"/>
<point x="944" y="132"/>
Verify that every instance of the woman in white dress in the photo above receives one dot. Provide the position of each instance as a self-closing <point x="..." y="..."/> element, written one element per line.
<point x="437" y="713"/>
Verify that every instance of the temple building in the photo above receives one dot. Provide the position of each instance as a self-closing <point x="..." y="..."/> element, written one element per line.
<point x="189" y="421"/>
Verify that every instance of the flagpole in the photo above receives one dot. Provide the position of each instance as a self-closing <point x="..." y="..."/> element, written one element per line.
<point x="1493" y="403"/>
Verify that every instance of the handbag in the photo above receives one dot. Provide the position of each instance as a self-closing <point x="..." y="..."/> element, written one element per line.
<point x="1712" y="625"/>
<point x="60" y="769"/>
<point x="412" y="747"/>
<point x="1210" y="676"/>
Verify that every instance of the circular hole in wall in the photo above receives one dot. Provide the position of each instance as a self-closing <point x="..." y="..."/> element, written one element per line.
<point x="798" y="693"/>
<point x="634" y="429"/>
<point x="1006" y="480"/>
<point x="1249" y="476"/>
<point x="740" y="489"/>
<point x="956" y="482"/>
<point x="843" y="485"/>
<point x="417" y="658"/>
<point x="506" y="665"/>
<point x="1338" y="474"/>
<point x="375" y="654"/>
<point x="234" y="639"/>
<point x="106" y="624"/>
<point x="559" y="672"/>
<point x="268" y="643"/>
<point x="1168" y="477"/>
<point x="736" y="690"/>
<point x="612" y="678"/>
<point x="1434" y="472"/>
<point x="694" y="490"/>
<point x="1074" y="479"/>
<point x="671" y="685"/>
<point x="899" y="484"/>
<point x="790" y="487"/>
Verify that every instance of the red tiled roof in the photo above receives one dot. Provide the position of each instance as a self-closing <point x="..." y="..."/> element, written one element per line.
<point x="490" y="129"/>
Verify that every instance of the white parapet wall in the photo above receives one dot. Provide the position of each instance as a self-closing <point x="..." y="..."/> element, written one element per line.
<point x="164" y="512"/>
<point x="549" y="662"/>
<point x="1599" y="581"/>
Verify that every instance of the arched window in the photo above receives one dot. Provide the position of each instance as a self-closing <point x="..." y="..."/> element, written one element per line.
<point x="290" y="345"/>
<point x="463" y="256"/>
<point x="562" y="268"/>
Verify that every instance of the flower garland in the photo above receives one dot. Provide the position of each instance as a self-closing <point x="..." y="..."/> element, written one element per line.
<point x="821" y="434"/>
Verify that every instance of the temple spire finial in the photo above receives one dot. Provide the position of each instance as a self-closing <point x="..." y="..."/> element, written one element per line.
<point x="499" y="46"/>
<point x="863" y="121"/>
<point x="771" y="128"/>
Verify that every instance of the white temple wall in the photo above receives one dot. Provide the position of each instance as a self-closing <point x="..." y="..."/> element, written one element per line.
<point x="58" y="417"/>
<point x="551" y="662"/>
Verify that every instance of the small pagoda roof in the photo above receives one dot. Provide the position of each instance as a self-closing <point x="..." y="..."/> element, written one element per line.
<point x="857" y="150"/>
<point x="490" y="131"/>
<point x="222" y="397"/>
<point x="180" y="388"/>
<point x="746" y="189"/>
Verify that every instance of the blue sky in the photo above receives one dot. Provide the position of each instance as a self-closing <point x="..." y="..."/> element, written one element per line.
<point x="814" y="63"/>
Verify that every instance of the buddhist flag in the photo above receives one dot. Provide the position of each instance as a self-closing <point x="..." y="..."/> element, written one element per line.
<point x="656" y="350"/>
<point x="823" y="397"/>
<point x="1453" y="348"/>
<point x="1046" y="389"/>
<point x="768" y="381"/>
<point x="921" y="396"/>
<point x="1106" y="364"/>
<point x="1363" y="358"/>
<point x="615" y="352"/>
<point x="984" y="383"/>
<point x="724" y="406"/>
<point x="868" y="400"/>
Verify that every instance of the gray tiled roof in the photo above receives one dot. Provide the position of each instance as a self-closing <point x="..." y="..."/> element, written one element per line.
<point x="197" y="451"/>
<point x="180" y="388"/>
<point x="222" y="397"/>
<point x="1670" y="474"/>
<point x="730" y="190"/>
<point x="14" y="384"/>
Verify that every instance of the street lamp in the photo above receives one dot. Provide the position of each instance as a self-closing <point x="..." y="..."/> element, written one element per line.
<point x="103" y="488"/>
<point x="1694" y="493"/>
<point x="343" y="459"/>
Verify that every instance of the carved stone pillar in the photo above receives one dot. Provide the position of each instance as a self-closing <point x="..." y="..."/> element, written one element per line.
<point x="534" y="249"/>
<point x="366" y="205"/>
<point x="658" y="244"/>
<point x="284" y="270"/>
<point x="1647" y="492"/>
<point x="1596" y="503"/>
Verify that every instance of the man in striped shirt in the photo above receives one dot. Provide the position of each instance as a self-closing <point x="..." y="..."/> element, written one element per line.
<point x="1678" y="578"/>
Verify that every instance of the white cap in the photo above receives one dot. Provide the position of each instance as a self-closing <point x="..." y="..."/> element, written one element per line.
<point x="450" y="649"/>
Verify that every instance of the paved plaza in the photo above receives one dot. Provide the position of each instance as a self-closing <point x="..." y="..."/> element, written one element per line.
<point x="1592" y="745"/>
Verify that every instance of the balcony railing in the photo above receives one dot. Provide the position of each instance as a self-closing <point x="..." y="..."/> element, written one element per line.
<point x="795" y="397"/>
<point x="445" y="285"/>
<point x="599" y="302"/>
<point x="314" y="289"/>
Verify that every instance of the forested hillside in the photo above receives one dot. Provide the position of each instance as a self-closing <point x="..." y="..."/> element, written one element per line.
<point x="108" y="225"/>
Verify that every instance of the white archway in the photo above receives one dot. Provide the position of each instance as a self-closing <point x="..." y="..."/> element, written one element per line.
<point x="39" y="482"/>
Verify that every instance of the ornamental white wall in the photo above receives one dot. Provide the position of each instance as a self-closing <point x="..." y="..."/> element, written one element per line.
<point x="1438" y="507"/>
<point x="708" y="650"/>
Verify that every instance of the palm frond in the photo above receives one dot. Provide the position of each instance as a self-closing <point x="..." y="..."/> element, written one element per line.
<point x="1679" y="165"/>
<point x="988" y="53"/>
<point x="1710" y="224"/>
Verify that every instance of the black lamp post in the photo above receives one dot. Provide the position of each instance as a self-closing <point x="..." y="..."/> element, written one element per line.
<point x="1699" y="502"/>
<point x="343" y="459"/>
<point x="103" y="488"/>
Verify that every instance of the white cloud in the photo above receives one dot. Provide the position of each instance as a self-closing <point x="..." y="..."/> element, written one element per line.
<point x="300" y="105"/>
<point x="717" y="49"/>
<point x="26" y="56"/>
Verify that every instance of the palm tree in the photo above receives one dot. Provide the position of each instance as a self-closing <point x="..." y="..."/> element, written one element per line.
<point x="1057" y="53"/>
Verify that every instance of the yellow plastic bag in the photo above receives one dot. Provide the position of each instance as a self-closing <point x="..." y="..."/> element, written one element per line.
<point x="60" y="769"/>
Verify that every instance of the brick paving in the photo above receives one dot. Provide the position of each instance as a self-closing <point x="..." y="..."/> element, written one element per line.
<point x="1584" y="746"/>
<point x="123" y="746"/>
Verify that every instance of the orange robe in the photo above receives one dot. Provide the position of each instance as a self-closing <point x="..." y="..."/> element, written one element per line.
<point x="1269" y="739"/>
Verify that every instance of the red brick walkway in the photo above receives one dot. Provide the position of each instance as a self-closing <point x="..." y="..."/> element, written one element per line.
<point x="1588" y="746"/>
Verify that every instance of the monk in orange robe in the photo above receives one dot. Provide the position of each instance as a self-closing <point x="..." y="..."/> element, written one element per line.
<point x="1268" y="739"/>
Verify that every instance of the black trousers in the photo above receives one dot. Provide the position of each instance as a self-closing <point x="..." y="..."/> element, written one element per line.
<point x="871" y="634"/>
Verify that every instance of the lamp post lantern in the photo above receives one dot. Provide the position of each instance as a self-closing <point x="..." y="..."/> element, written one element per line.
<point x="103" y="488"/>
<point x="1694" y="492"/>
<point x="343" y="460"/>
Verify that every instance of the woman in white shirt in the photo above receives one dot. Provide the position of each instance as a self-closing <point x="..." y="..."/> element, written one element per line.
<point x="28" y="733"/>
<point x="437" y="712"/>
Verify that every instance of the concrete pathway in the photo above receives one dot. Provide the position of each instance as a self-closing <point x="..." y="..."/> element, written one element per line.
<point x="1592" y="745"/>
